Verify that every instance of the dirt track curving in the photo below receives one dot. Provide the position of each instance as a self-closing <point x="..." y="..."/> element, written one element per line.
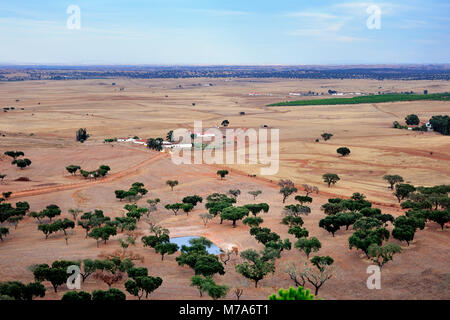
<point x="110" y="178"/>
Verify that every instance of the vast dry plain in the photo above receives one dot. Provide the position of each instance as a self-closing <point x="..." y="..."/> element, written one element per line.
<point x="47" y="114"/>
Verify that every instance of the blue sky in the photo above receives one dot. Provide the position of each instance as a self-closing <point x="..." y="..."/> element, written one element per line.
<point x="224" y="32"/>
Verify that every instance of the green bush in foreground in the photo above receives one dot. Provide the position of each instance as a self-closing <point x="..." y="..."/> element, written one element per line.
<point x="293" y="294"/>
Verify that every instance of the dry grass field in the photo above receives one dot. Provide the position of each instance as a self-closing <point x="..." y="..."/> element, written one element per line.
<point x="53" y="110"/>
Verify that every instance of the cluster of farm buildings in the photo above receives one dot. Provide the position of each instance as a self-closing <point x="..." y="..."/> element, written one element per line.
<point x="168" y="144"/>
<point x="165" y="144"/>
<point x="427" y="124"/>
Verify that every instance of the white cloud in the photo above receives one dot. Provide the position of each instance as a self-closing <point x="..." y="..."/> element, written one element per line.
<point x="324" y="25"/>
<point x="359" y="8"/>
<point x="349" y="39"/>
<point x="214" y="12"/>
<point x="25" y="22"/>
<point x="324" y="34"/>
<point x="316" y="15"/>
<point x="319" y="31"/>
<point x="336" y="26"/>
<point x="412" y="24"/>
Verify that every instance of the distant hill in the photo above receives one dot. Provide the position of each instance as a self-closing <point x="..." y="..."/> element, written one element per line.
<point x="378" y="72"/>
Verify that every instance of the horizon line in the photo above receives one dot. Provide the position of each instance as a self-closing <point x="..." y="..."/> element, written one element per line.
<point x="6" y="64"/>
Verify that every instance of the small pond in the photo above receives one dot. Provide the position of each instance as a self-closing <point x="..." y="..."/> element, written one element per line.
<point x="185" y="241"/>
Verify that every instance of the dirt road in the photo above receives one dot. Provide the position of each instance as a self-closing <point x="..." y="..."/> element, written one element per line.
<point x="110" y="178"/>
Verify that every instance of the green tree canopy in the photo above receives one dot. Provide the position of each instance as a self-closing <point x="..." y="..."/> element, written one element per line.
<point x="208" y="265"/>
<point x="383" y="254"/>
<point x="326" y="136"/>
<point x="330" y="178"/>
<point x="103" y="233"/>
<point x="19" y="291"/>
<point x="255" y="266"/>
<point x="330" y="223"/>
<point x="402" y="191"/>
<point x="234" y="214"/>
<point x="172" y="183"/>
<point x="303" y="199"/>
<point x="255" y="193"/>
<point x="441" y="124"/>
<point x="72" y="169"/>
<point x="257" y="208"/>
<point x="308" y="245"/>
<point x="234" y="192"/>
<point x="287" y="191"/>
<point x="253" y="221"/>
<point x="141" y="283"/>
<point x="76" y="296"/>
<point x="14" y="154"/>
<point x="112" y="294"/>
<point x="362" y="239"/>
<point x="343" y="151"/>
<point x="194" y="200"/>
<point x="175" y="207"/>
<point x="222" y="173"/>
<point x="412" y="119"/>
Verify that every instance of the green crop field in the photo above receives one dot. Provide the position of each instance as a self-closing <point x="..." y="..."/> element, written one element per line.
<point x="366" y="99"/>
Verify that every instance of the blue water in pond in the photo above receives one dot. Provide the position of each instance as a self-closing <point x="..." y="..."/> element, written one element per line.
<point x="185" y="241"/>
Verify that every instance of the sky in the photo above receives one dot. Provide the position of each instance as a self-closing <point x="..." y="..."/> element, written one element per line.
<point x="227" y="32"/>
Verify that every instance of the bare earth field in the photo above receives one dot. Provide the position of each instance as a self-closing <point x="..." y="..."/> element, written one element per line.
<point x="54" y="110"/>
